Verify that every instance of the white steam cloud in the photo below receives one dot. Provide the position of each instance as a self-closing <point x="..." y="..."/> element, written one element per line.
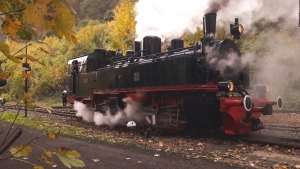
<point x="222" y="63"/>
<point x="171" y="19"/>
<point x="131" y="112"/>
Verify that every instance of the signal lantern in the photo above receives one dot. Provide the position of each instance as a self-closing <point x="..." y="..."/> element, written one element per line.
<point x="236" y="29"/>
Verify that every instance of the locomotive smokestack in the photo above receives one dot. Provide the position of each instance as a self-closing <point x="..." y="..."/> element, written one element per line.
<point x="209" y="25"/>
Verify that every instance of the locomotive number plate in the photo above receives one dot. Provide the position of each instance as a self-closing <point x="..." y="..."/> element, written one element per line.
<point x="136" y="76"/>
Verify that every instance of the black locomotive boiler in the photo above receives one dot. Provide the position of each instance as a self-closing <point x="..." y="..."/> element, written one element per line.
<point x="179" y="88"/>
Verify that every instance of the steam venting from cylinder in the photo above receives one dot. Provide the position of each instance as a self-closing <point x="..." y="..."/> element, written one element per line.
<point x="151" y="45"/>
<point x="209" y="25"/>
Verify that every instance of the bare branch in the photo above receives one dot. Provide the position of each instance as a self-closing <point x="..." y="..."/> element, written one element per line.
<point x="11" y="141"/>
<point x="20" y="149"/>
<point x="10" y="128"/>
<point x="22" y="49"/>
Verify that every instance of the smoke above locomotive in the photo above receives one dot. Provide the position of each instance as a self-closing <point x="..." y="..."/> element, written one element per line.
<point x="172" y="19"/>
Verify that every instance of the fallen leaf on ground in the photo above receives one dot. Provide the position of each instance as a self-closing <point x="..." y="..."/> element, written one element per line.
<point x="96" y="160"/>
<point x="160" y="144"/>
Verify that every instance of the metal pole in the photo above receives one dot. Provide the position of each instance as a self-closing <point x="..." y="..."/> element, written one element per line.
<point x="26" y="88"/>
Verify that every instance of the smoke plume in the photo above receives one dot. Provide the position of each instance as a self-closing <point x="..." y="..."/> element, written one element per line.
<point x="131" y="112"/>
<point x="171" y="19"/>
<point x="215" y="5"/>
<point x="224" y="64"/>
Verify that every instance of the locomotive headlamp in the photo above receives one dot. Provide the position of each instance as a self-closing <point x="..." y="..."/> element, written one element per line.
<point x="240" y="28"/>
<point x="226" y="86"/>
<point x="262" y="88"/>
<point x="236" y="29"/>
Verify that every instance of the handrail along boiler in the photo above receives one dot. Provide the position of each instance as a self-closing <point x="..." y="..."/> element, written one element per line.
<point x="179" y="87"/>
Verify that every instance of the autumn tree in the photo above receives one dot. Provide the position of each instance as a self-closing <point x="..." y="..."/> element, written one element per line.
<point x="25" y="20"/>
<point x="97" y="9"/>
<point x="122" y="27"/>
<point x="31" y="20"/>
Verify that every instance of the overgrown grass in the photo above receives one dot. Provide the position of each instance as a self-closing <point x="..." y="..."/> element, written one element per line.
<point x="48" y="102"/>
<point x="44" y="124"/>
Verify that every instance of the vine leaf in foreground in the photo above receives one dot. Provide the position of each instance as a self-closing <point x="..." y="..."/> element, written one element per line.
<point x="69" y="157"/>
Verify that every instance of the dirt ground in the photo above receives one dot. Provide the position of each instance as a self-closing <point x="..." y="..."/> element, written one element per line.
<point x="97" y="154"/>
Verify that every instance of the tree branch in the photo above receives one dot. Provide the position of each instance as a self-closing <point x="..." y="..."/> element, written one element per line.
<point x="5" y="138"/>
<point x="20" y="10"/>
<point x="11" y="141"/>
<point x="22" y="49"/>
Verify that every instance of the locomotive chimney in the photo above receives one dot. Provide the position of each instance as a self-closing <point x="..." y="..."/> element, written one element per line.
<point x="209" y="25"/>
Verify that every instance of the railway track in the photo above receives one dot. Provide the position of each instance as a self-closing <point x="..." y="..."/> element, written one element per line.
<point x="55" y="110"/>
<point x="295" y="129"/>
<point x="251" y="138"/>
<point x="287" y="111"/>
<point x="268" y="140"/>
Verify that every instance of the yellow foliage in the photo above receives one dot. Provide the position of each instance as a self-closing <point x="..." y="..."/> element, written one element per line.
<point x="11" y="25"/>
<point x="48" y="153"/>
<point x="26" y="56"/>
<point x="4" y="48"/>
<point x="5" y="75"/>
<point x="47" y="161"/>
<point x="20" y="151"/>
<point x="4" y="7"/>
<point x="47" y="15"/>
<point x="36" y="13"/>
<point x="123" y="27"/>
<point x="52" y="135"/>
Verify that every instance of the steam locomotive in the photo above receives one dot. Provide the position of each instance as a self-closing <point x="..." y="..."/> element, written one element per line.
<point x="176" y="89"/>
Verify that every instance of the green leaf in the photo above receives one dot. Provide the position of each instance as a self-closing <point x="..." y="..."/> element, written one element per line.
<point x="31" y="106"/>
<point x="69" y="157"/>
<point x="24" y="34"/>
<point x="20" y="151"/>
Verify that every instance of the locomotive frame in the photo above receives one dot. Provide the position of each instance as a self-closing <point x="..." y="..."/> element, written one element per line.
<point x="177" y="88"/>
